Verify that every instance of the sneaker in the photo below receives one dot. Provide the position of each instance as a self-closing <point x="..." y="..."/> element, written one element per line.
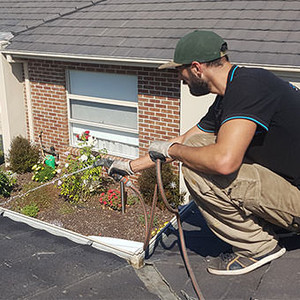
<point x="233" y="264"/>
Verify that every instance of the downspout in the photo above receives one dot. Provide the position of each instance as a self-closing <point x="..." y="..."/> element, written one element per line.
<point x="3" y="108"/>
<point x="29" y="102"/>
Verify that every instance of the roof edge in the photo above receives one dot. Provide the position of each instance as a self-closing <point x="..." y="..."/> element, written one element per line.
<point x="286" y="68"/>
<point x="131" y="61"/>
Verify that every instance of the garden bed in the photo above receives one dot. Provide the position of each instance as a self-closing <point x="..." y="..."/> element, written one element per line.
<point x="87" y="218"/>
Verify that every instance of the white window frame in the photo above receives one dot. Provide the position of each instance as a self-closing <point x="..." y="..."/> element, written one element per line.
<point x="72" y="121"/>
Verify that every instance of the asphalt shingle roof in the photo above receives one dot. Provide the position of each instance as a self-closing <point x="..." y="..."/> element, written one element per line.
<point x="19" y="15"/>
<point x="257" y="32"/>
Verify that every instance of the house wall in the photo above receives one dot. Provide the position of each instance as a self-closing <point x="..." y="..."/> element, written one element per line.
<point x="158" y="101"/>
<point x="11" y="102"/>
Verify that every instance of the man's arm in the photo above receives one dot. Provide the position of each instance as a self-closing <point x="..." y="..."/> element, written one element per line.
<point x="223" y="157"/>
<point x="145" y="162"/>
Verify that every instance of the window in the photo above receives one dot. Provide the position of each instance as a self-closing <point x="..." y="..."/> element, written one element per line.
<point x="106" y="105"/>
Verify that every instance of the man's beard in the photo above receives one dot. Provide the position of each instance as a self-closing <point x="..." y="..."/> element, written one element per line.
<point x="198" y="87"/>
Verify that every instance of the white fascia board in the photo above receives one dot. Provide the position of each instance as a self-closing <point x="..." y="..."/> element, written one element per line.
<point x="275" y="68"/>
<point x="128" y="61"/>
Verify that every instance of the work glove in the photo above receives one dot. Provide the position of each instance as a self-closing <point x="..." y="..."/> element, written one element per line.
<point x="120" y="167"/>
<point x="159" y="150"/>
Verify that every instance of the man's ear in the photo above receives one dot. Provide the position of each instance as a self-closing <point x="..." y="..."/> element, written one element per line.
<point x="196" y="67"/>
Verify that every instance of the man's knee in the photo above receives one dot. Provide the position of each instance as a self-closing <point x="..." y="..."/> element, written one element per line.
<point x="200" y="140"/>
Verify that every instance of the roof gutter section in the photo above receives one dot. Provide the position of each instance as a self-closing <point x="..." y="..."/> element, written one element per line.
<point x="126" y="61"/>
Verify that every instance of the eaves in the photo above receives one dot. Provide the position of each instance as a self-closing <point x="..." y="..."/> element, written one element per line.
<point x="14" y="55"/>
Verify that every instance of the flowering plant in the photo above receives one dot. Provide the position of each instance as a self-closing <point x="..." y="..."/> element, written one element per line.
<point x="42" y="172"/>
<point x="156" y="230"/>
<point x="111" y="199"/>
<point x="81" y="180"/>
<point x="7" y="182"/>
<point x="83" y="136"/>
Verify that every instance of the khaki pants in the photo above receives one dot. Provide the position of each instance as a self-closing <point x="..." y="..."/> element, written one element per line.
<point x="239" y="207"/>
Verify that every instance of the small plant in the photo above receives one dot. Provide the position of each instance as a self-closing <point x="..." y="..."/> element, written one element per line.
<point x="157" y="226"/>
<point x="111" y="199"/>
<point x="22" y="155"/>
<point x="84" y="136"/>
<point x="7" y="182"/>
<point x="30" y="210"/>
<point x="42" y="172"/>
<point x="80" y="181"/>
<point x="132" y="199"/>
<point x="155" y="220"/>
<point x="147" y="182"/>
<point x="1" y="157"/>
<point x="156" y="230"/>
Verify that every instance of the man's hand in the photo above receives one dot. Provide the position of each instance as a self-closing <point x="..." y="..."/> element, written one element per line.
<point x="159" y="150"/>
<point x="120" y="167"/>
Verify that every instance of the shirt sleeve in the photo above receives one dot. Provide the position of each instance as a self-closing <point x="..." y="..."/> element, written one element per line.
<point x="208" y="122"/>
<point x="247" y="98"/>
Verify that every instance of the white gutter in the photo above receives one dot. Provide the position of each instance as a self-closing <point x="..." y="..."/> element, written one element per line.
<point x="127" y="60"/>
<point x="88" y="59"/>
<point x="275" y="68"/>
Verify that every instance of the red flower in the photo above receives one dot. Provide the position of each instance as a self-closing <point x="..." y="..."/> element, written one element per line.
<point x="104" y="202"/>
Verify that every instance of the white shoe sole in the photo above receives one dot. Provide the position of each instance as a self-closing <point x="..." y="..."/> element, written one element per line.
<point x="250" y="268"/>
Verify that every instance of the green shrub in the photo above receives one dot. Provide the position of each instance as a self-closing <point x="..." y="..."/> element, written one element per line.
<point x="82" y="184"/>
<point x="7" y="182"/>
<point x="147" y="181"/>
<point x="22" y="155"/>
<point x="30" y="210"/>
<point x="42" y="173"/>
<point x="1" y="157"/>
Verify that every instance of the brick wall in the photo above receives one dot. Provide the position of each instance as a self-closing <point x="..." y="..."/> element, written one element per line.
<point x="158" y="101"/>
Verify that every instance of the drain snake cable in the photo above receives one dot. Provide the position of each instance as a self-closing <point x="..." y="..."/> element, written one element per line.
<point x="148" y="226"/>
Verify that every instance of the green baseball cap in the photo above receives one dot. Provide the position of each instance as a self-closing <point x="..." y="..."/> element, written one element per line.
<point x="199" y="45"/>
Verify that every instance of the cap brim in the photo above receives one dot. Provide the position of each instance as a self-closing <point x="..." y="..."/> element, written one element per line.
<point x="169" y="65"/>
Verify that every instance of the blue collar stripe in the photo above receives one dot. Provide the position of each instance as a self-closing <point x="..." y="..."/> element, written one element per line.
<point x="205" y="130"/>
<point x="231" y="77"/>
<point x="247" y="118"/>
